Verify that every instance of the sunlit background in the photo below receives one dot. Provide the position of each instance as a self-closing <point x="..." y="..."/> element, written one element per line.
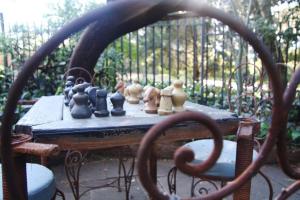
<point x="30" y="11"/>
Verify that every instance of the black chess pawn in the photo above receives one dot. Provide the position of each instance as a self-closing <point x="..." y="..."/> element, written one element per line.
<point x="81" y="109"/>
<point x="68" y="87"/>
<point x="101" y="103"/>
<point x="117" y="100"/>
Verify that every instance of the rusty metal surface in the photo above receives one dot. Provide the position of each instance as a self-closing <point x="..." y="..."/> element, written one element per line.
<point x="120" y="17"/>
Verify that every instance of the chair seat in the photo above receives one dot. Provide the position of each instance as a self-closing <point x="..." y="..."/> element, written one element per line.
<point x="225" y="165"/>
<point x="40" y="182"/>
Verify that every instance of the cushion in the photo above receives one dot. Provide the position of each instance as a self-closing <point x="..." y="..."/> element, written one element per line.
<point x="40" y="182"/>
<point x="225" y="165"/>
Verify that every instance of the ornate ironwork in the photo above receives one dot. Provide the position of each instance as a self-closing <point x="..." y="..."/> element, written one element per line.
<point x="73" y="163"/>
<point x="172" y="175"/>
<point x="201" y="190"/>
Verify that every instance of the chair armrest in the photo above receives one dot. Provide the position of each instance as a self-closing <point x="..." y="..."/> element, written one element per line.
<point x="244" y="153"/>
<point x="37" y="149"/>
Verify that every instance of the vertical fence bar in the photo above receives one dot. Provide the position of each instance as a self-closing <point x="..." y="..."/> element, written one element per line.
<point x="153" y="55"/>
<point x="177" y="48"/>
<point x="295" y="52"/>
<point x="185" y="55"/>
<point x="207" y="63"/>
<point x="137" y="55"/>
<point x="169" y="50"/>
<point x="122" y="55"/>
<point x="195" y="58"/>
<point x="146" y="64"/>
<point x="215" y="62"/>
<point x="223" y="65"/>
<point x="203" y="38"/>
<point x="162" y="54"/>
<point x="130" y="56"/>
<point x="5" y="60"/>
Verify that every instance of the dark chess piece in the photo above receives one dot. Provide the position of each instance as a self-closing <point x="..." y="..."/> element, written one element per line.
<point x="117" y="100"/>
<point x="68" y="87"/>
<point x="71" y="78"/>
<point x="81" y="109"/>
<point x="101" y="104"/>
<point x="72" y="92"/>
<point x="91" y="92"/>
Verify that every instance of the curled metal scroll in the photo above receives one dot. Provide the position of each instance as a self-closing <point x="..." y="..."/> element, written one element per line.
<point x="183" y="156"/>
<point x="119" y="18"/>
<point x="289" y="96"/>
<point x="79" y="79"/>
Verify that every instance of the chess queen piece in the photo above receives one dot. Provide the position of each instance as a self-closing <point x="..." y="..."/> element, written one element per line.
<point x="165" y="105"/>
<point x="117" y="100"/>
<point x="81" y="109"/>
<point x="178" y="96"/>
<point x="68" y="87"/>
<point x="151" y="100"/>
<point x="101" y="103"/>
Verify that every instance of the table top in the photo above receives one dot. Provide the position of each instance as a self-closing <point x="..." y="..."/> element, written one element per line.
<point x="50" y="117"/>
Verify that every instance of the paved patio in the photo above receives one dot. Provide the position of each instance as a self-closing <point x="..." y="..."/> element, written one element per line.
<point x="103" y="170"/>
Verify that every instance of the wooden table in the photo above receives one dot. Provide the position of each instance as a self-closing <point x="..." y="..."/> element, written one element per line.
<point x="49" y="121"/>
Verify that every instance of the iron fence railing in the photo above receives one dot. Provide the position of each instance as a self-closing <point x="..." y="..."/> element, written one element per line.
<point x="200" y="51"/>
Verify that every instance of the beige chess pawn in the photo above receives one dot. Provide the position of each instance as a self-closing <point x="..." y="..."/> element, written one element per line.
<point x="133" y="92"/>
<point x="178" y="96"/>
<point x="120" y="87"/>
<point x="165" y="105"/>
<point x="151" y="99"/>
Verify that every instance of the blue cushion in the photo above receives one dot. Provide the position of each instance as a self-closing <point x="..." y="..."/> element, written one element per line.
<point x="225" y="165"/>
<point x="40" y="182"/>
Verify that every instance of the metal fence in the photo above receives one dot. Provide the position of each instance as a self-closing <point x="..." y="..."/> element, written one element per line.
<point x="202" y="52"/>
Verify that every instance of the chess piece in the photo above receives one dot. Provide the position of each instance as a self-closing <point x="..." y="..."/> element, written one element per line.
<point x="151" y="100"/>
<point x="178" y="96"/>
<point x="117" y="100"/>
<point x="101" y="104"/>
<point x="68" y="87"/>
<point x="139" y="88"/>
<point x="120" y="87"/>
<point x="72" y="92"/>
<point x="165" y="105"/>
<point x="91" y="92"/>
<point x="71" y="78"/>
<point x="134" y="92"/>
<point x="80" y="109"/>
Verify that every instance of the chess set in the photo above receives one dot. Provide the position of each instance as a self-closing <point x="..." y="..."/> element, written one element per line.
<point x="84" y="99"/>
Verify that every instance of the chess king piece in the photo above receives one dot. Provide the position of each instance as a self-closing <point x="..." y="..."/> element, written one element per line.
<point x="68" y="87"/>
<point x="120" y="87"/>
<point x="165" y="105"/>
<point x="81" y="109"/>
<point x="101" y="103"/>
<point x="178" y="96"/>
<point x="117" y="100"/>
<point x="151" y="99"/>
<point x="134" y="92"/>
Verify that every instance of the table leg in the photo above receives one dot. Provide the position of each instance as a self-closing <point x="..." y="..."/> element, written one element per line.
<point x="128" y="174"/>
<point x="73" y="163"/>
